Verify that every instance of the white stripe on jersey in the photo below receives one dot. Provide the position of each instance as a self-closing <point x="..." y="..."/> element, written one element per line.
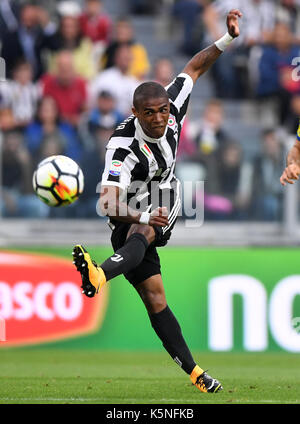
<point x="116" y="142"/>
<point x="174" y="212"/>
<point x="187" y="88"/>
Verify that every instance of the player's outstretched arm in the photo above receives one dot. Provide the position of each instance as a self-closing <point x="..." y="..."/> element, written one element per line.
<point x="111" y="206"/>
<point x="292" y="170"/>
<point x="202" y="61"/>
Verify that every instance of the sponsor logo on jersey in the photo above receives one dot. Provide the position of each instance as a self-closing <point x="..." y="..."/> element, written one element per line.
<point x="115" y="168"/>
<point x="298" y="132"/>
<point x="145" y="149"/>
<point x="171" y="121"/>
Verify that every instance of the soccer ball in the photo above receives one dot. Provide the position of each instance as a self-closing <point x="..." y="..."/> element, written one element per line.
<point x="58" y="181"/>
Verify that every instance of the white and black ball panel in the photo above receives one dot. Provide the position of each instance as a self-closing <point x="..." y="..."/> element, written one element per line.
<point x="47" y="196"/>
<point x="66" y="165"/>
<point x="45" y="174"/>
<point x="47" y="160"/>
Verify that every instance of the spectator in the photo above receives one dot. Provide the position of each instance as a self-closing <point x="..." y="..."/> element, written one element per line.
<point x="95" y="24"/>
<point x="275" y="70"/>
<point x="20" y="94"/>
<point x="256" y="25"/>
<point x="230" y="182"/>
<point x="163" y="71"/>
<point x="69" y="37"/>
<point x="221" y="165"/>
<point x="117" y="80"/>
<point x="92" y="165"/>
<point x="208" y="133"/>
<point x="199" y="153"/>
<point x="66" y="88"/>
<point x="51" y="146"/>
<point x="34" y="34"/>
<point x="124" y="35"/>
<point x="267" y="168"/>
<point x="288" y="12"/>
<point x="230" y="72"/>
<point x="18" y="198"/>
<point x="189" y="12"/>
<point x="227" y="193"/>
<point x="105" y="114"/>
<point x="48" y="127"/>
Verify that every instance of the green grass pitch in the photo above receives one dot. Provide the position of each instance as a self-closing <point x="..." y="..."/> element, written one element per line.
<point x="48" y="375"/>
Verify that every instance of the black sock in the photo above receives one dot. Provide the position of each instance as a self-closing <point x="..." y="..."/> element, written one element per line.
<point x="168" y="330"/>
<point x="127" y="257"/>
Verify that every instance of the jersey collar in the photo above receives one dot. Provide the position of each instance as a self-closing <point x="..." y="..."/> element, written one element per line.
<point x="143" y="137"/>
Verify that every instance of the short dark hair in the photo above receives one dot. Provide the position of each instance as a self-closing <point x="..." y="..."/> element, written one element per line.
<point x="105" y="94"/>
<point x="148" y="90"/>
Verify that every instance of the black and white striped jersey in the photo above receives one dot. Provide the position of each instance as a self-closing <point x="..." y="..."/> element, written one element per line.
<point x="139" y="164"/>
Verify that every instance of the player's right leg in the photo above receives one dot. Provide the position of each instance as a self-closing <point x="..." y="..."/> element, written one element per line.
<point x="134" y="244"/>
<point x="168" y="330"/>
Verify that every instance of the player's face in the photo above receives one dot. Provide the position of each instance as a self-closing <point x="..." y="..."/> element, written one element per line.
<point x="153" y="115"/>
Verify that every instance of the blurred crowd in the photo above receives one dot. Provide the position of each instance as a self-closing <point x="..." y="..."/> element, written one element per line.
<point x="71" y="74"/>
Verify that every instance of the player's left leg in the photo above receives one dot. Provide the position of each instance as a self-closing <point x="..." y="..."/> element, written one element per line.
<point x="168" y="330"/>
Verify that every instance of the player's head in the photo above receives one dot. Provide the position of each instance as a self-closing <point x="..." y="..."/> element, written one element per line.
<point x="151" y="106"/>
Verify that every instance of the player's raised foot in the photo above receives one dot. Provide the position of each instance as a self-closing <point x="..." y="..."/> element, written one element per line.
<point x="93" y="277"/>
<point x="204" y="382"/>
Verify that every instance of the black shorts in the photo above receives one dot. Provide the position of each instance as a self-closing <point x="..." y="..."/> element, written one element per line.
<point x="150" y="265"/>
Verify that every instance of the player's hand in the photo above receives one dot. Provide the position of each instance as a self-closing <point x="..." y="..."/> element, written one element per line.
<point x="290" y="174"/>
<point x="232" y="22"/>
<point x="159" y="217"/>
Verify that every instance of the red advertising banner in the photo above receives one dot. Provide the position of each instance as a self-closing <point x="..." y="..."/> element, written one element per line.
<point x="41" y="300"/>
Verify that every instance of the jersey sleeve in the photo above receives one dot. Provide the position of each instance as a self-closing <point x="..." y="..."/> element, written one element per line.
<point x="298" y="132"/>
<point x="179" y="92"/>
<point x="119" y="163"/>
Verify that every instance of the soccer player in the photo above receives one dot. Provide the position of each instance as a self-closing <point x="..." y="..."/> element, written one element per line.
<point x="143" y="149"/>
<point x="292" y="170"/>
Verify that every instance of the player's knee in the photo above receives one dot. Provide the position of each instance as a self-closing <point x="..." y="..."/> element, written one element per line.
<point x="154" y="301"/>
<point x="146" y="230"/>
